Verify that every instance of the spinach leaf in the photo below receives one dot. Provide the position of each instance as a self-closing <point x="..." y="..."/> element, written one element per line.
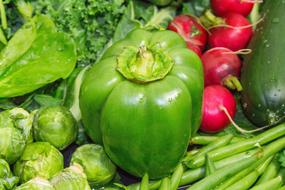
<point x="35" y="56"/>
<point x="195" y="7"/>
<point x="140" y="14"/>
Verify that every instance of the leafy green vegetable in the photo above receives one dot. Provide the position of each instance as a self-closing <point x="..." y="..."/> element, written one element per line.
<point x="97" y="166"/>
<point x="7" y="180"/>
<point x="36" y="184"/>
<point x="56" y="125"/>
<point x="71" y="178"/>
<point x="39" y="159"/>
<point x="195" y="7"/>
<point x="35" y="56"/>
<point x="91" y="23"/>
<point x="281" y="158"/>
<point x="140" y="14"/>
<point x="15" y="133"/>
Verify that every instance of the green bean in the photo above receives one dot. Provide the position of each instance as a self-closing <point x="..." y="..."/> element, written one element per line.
<point x="270" y="173"/>
<point x="241" y="174"/>
<point x="247" y="181"/>
<point x="272" y="184"/>
<point x="190" y="154"/>
<point x="282" y="188"/>
<point x="145" y="183"/>
<point x="224" y="185"/>
<point x="165" y="184"/>
<point x="204" y="140"/>
<point x="237" y="139"/>
<point x="222" y="174"/>
<point x="222" y="141"/>
<point x="153" y="185"/>
<point x="243" y="145"/>
<point x="193" y="175"/>
<point x="176" y="177"/>
<point x="282" y="173"/>
<point x="236" y="158"/>
<point x="210" y="166"/>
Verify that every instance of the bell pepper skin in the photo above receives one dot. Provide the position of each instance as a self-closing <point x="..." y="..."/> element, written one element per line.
<point x="144" y="118"/>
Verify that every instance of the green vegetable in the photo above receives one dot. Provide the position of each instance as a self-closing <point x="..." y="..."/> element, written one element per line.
<point x="203" y="140"/>
<point x="39" y="159"/>
<point x="71" y="178"/>
<point x="165" y="184"/>
<point x="224" y="185"/>
<point x="222" y="174"/>
<point x="35" y="56"/>
<point x="71" y="97"/>
<point x="152" y="78"/>
<point x="176" y="177"/>
<point x="221" y="142"/>
<point x="36" y="184"/>
<point x="55" y="125"/>
<point x="263" y="96"/>
<point x="7" y="180"/>
<point x="25" y="9"/>
<point x="140" y="14"/>
<point x="282" y="188"/>
<point x="91" y="23"/>
<point x="192" y="175"/>
<point x="210" y="166"/>
<point x="270" y="173"/>
<point x="272" y="184"/>
<point x="15" y="133"/>
<point x="97" y="166"/>
<point x="145" y="183"/>
<point x="195" y="7"/>
<point x="244" y="145"/>
<point x="161" y="2"/>
<point x="248" y="180"/>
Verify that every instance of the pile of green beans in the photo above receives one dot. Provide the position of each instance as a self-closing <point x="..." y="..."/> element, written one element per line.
<point x="228" y="163"/>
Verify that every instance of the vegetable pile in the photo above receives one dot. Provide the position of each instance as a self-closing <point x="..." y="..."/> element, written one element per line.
<point x="140" y="95"/>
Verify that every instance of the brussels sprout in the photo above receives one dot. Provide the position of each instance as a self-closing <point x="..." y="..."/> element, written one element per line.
<point x="15" y="133"/>
<point x="96" y="164"/>
<point x="55" y="125"/>
<point x="39" y="159"/>
<point x="71" y="178"/>
<point x="36" y="184"/>
<point x="7" y="180"/>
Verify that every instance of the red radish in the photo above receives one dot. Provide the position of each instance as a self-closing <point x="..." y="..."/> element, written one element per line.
<point x="215" y="99"/>
<point x="220" y="66"/>
<point x="223" y="7"/>
<point x="193" y="33"/>
<point x="235" y="35"/>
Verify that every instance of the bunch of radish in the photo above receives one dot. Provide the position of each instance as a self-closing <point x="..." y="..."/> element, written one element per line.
<point x="226" y="34"/>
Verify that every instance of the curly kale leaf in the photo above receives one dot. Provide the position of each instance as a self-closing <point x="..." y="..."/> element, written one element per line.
<point x="90" y="22"/>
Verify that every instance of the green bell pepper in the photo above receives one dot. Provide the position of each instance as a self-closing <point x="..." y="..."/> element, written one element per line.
<point x="142" y="100"/>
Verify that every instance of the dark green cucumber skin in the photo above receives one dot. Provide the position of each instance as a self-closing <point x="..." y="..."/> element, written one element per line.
<point x="263" y="73"/>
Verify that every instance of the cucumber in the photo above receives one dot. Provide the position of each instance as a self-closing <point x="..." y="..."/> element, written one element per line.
<point x="263" y="73"/>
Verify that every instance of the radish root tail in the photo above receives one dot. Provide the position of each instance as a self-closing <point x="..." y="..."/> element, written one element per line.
<point x="241" y="130"/>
